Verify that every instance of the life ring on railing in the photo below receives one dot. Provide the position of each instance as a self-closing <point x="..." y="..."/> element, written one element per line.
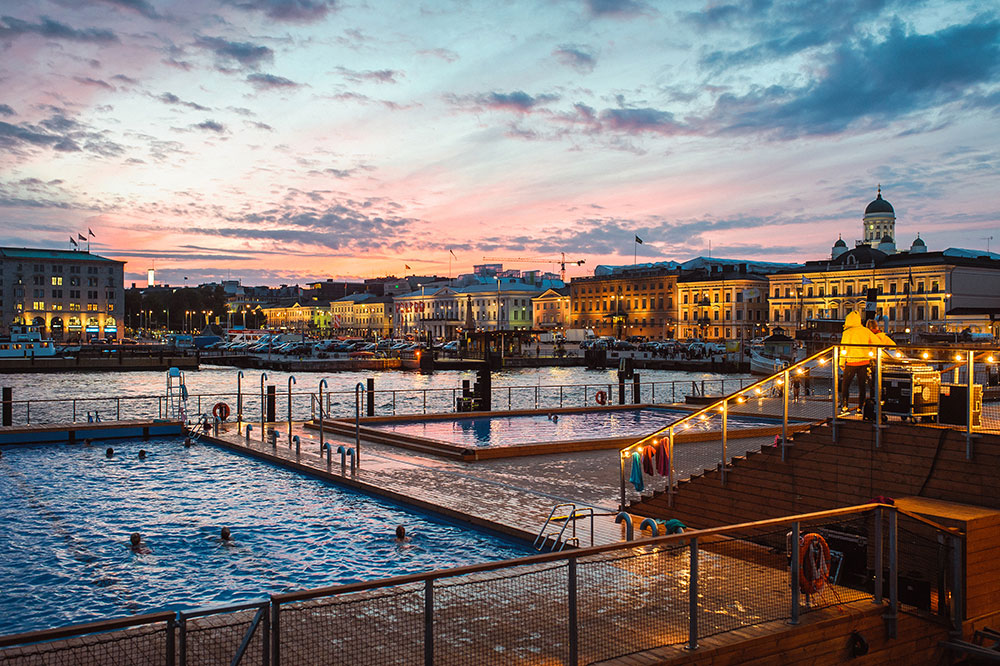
<point x="220" y="411"/>
<point x="814" y="563"/>
<point x="601" y="397"/>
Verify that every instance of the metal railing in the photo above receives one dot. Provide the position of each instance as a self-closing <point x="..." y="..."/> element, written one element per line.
<point x="809" y="391"/>
<point x="340" y="403"/>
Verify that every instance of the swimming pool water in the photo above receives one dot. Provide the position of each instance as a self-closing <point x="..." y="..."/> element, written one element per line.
<point x="497" y="431"/>
<point x="68" y="512"/>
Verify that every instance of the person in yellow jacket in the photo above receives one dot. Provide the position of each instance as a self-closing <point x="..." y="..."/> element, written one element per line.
<point x="855" y="358"/>
<point x="881" y="339"/>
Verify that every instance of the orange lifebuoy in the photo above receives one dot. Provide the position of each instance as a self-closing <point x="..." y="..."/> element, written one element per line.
<point x="221" y="411"/>
<point x="601" y="397"/>
<point x="814" y="563"/>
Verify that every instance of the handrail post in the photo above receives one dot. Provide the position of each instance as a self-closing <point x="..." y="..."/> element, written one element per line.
<point x="893" y="575"/>
<point x="879" y="584"/>
<point x="263" y="376"/>
<point x="793" y="548"/>
<point x="239" y="397"/>
<point x="429" y="622"/>
<point x="877" y="397"/>
<point x="291" y="380"/>
<point x="265" y="638"/>
<point x="322" y="383"/>
<point x="182" y="640"/>
<point x="573" y="626"/>
<point x="171" y="655"/>
<point x="970" y="404"/>
<point x="360" y="387"/>
<point x="670" y="474"/>
<point x="621" y="477"/>
<point x="835" y="391"/>
<point x="275" y="633"/>
<point x="784" y="413"/>
<point x="725" y="439"/>
<point x="693" y="596"/>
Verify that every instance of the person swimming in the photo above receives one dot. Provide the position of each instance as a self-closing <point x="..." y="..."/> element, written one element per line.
<point x="187" y="442"/>
<point x="136" y="544"/>
<point x="401" y="533"/>
<point x="225" y="535"/>
<point x="110" y="453"/>
<point x="142" y="454"/>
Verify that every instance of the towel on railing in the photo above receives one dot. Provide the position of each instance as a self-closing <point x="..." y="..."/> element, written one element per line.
<point x="662" y="459"/>
<point x="648" y="454"/>
<point x="636" y="478"/>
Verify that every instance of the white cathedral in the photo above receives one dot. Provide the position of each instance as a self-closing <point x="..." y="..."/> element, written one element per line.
<point x="878" y="229"/>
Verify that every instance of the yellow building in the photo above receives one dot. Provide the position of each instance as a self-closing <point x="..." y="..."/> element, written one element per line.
<point x="551" y="309"/>
<point x="721" y="306"/>
<point x="309" y="318"/>
<point x="629" y="303"/>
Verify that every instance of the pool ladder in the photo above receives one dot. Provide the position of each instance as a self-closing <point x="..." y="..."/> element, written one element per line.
<point x="556" y="538"/>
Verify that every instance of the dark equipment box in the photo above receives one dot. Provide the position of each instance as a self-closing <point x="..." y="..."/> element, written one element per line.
<point x="955" y="404"/>
<point x="910" y="391"/>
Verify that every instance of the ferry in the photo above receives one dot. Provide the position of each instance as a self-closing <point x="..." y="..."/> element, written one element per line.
<point x="25" y="342"/>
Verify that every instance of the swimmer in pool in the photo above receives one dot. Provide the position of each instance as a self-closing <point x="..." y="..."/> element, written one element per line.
<point x="187" y="442"/>
<point x="401" y="534"/>
<point x="136" y="544"/>
<point x="110" y="453"/>
<point x="225" y="535"/>
<point x="142" y="454"/>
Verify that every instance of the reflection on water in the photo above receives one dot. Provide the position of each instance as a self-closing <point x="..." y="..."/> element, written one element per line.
<point x="138" y="394"/>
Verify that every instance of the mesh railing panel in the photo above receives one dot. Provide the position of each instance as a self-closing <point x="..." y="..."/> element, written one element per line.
<point x="136" y="646"/>
<point x="631" y="601"/>
<point x="515" y="616"/>
<point x="215" y="639"/>
<point x="382" y="627"/>
<point x="924" y="562"/>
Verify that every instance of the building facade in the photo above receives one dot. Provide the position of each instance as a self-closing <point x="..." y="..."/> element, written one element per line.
<point x="550" y="309"/>
<point x="307" y="318"/>
<point x="67" y="295"/>
<point x="721" y="306"/>
<point x="629" y="303"/>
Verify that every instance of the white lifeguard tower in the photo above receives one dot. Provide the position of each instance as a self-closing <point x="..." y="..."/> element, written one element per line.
<point x="177" y="395"/>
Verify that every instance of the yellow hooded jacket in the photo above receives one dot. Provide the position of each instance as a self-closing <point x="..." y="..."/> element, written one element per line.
<point x="856" y="334"/>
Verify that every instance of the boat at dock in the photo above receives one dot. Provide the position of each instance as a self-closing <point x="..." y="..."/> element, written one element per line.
<point x="25" y="342"/>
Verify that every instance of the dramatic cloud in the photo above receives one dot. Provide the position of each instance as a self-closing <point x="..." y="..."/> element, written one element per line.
<point x="294" y="11"/>
<point x="270" y="82"/>
<point x="11" y="27"/>
<point x="871" y="82"/>
<point x="5" y="110"/>
<point x="246" y="54"/>
<point x="578" y="57"/>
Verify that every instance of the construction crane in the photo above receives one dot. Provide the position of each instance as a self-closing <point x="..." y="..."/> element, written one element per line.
<point x="539" y="260"/>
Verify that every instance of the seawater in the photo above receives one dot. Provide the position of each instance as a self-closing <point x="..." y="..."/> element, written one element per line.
<point x="68" y="511"/>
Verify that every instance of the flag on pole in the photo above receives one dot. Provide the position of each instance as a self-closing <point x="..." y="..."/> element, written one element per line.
<point x="91" y="232"/>
<point x="909" y="277"/>
<point x="406" y="267"/>
<point x="72" y="240"/>
<point x="81" y="237"/>
<point x="638" y="240"/>
<point x="806" y="280"/>
<point x="452" y="253"/>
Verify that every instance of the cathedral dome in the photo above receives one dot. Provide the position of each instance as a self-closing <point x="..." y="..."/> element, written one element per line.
<point x="879" y="205"/>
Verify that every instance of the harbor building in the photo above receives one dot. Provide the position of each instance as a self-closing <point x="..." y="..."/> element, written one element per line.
<point x="310" y="318"/>
<point x="362" y="315"/>
<point x="550" y="309"/>
<point x="726" y="303"/>
<point x="67" y="295"/>
<point x="626" y="302"/>
<point x="912" y="291"/>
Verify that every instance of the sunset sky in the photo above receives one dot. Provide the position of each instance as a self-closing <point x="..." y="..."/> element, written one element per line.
<point x="278" y="141"/>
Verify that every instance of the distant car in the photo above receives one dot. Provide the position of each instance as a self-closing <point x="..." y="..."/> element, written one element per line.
<point x="129" y="341"/>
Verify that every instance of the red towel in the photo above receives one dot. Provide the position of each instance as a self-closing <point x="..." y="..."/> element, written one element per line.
<point x="662" y="459"/>
<point x="647" y="460"/>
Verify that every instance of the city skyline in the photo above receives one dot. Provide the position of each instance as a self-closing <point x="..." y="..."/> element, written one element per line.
<point x="284" y="140"/>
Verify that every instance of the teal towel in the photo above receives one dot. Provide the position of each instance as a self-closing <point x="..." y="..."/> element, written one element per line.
<point x="636" y="478"/>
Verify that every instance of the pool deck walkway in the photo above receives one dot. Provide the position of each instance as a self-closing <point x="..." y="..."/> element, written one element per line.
<point x="512" y="495"/>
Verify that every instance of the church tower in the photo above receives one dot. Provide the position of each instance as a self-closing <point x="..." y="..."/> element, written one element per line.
<point x="879" y="222"/>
